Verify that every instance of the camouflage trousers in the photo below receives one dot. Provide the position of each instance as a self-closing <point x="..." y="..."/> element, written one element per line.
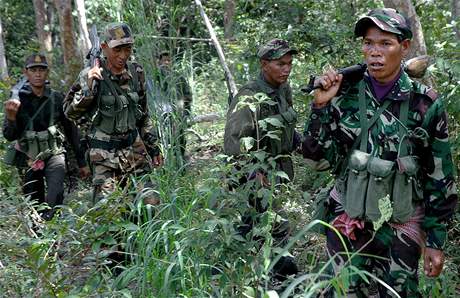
<point x="112" y="167"/>
<point x="386" y="253"/>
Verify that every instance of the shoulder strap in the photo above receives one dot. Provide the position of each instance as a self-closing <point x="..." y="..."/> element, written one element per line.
<point x="365" y="124"/>
<point x="31" y="120"/>
<point x="132" y="69"/>
<point x="403" y="115"/>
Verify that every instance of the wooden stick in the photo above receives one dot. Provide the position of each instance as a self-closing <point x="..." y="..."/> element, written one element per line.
<point x="231" y="86"/>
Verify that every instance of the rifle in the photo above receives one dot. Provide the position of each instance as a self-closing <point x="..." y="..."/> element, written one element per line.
<point x="415" y="68"/>
<point x="94" y="53"/>
<point x="16" y="88"/>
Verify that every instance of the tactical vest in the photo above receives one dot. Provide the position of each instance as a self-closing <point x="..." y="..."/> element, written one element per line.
<point x="118" y="109"/>
<point x="368" y="178"/>
<point x="42" y="144"/>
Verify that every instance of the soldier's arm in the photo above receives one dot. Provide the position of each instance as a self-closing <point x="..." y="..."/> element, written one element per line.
<point x="240" y="124"/>
<point x="80" y="99"/>
<point x="13" y="129"/>
<point x="440" y="193"/>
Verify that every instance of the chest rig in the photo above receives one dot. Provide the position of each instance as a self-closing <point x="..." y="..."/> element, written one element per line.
<point x="42" y="144"/>
<point x="368" y="179"/>
<point x="118" y="108"/>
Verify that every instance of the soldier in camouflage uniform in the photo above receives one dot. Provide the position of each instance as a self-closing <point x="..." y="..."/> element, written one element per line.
<point x="122" y="140"/>
<point x="276" y="64"/>
<point x="386" y="138"/>
<point x="33" y="121"/>
<point x="174" y="91"/>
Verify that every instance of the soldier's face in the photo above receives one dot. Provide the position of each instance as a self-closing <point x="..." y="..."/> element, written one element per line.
<point x="277" y="72"/>
<point x="383" y="54"/>
<point x="36" y="76"/>
<point x="117" y="57"/>
<point x="165" y="61"/>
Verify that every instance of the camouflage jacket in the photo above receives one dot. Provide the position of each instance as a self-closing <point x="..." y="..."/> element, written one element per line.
<point x="83" y="102"/>
<point x="331" y="131"/>
<point x="242" y="122"/>
<point x="13" y="130"/>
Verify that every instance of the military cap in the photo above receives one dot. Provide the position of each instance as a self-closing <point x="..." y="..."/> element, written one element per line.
<point x="163" y="53"/>
<point x="117" y="34"/>
<point x="387" y="19"/>
<point x="36" y="60"/>
<point x="275" y="49"/>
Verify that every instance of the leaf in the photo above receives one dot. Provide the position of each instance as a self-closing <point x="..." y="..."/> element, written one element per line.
<point x="282" y="175"/>
<point x="271" y="294"/>
<point x="247" y="142"/>
<point x="274" y="121"/>
<point x="386" y="210"/>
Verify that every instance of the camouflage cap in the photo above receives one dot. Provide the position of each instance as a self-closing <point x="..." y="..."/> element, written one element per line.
<point x="387" y="19"/>
<point x="275" y="49"/>
<point x="36" y="60"/>
<point x="117" y="34"/>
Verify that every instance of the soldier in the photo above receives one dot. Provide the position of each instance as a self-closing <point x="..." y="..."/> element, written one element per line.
<point x="386" y="137"/>
<point x="175" y="92"/>
<point x="276" y="64"/>
<point x="33" y="121"/>
<point x="121" y="139"/>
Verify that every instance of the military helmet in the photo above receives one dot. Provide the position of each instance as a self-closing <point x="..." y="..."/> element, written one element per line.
<point x="275" y="49"/>
<point x="117" y="34"/>
<point x="387" y="19"/>
<point x="36" y="60"/>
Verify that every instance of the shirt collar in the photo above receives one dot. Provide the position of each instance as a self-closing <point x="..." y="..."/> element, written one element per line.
<point x="266" y="87"/>
<point x="401" y="89"/>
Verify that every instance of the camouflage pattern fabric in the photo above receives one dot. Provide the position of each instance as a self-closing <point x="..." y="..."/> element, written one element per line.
<point x="275" y="49"/>
<point x="387" y="253"/>
<point x="332" y="130"/>
<point x="387" y="19"/>
<point x="110" y="165"/>
<point x="241" y="122"/>
<point x="117" y="34"/>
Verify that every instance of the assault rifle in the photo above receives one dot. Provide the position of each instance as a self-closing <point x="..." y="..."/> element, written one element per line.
<point x="94" y="53"/>
<point x="415" y="68"/>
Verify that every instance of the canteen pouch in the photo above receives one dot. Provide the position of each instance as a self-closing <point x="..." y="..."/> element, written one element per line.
<point x="381" y="174"/>
<point x="405" y="189"/>
<point x="10" y="155"/>
<point x="357" y="183"/>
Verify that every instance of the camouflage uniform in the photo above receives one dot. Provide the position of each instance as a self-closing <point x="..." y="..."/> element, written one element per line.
<point x="121" y="138"/>
<point x="330" y="135"/>
<point x="242" y="122"/>
<point x="38" y="114"/>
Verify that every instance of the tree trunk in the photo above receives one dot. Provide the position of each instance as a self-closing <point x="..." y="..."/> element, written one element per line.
<point x="43" y="28"/>
<point x="229" y="18"/>
<point x="64" y="8"/>
<point x="84" y="42"/>
<point x="455" y="16"/>
<point x="418" y="47"/>
<point x="231" y="86"/>
<point x="3" y="65"/>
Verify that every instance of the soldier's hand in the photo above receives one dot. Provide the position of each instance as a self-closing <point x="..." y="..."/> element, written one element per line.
<point x="433" y="262"/>
<point x="84" y="172"/>
<point x="11" y="108"/>
<point x="158" y="160"/>
<point x="330" y="83"/>
<point x="94" y="73"/>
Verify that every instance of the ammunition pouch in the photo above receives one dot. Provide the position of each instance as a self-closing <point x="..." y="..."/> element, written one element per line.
<point x="10" y="155"/>
<point x="356" y="185"/>
<point x="38" y="144"/>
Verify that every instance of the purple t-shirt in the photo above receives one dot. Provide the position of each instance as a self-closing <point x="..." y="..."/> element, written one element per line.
<point x="381" y="90"/>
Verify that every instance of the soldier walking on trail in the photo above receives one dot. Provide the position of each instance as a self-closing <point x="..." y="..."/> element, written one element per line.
<point x="174" y="91"/>
<point x="276" y="63"/>
<point x="386" y="137"/>
<point x="122" y="140"/>
<point x="33" y="119"/>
